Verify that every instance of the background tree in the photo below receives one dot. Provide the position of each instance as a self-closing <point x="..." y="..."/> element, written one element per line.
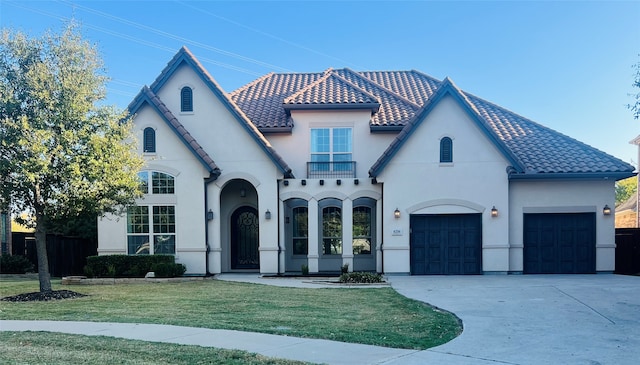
<point x="62" y="154"/>
<point x="635" y="107"/>
<point x="625" y="189"/>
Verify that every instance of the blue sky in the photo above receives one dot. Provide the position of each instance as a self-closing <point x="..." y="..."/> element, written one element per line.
<point x="566" y="64"/>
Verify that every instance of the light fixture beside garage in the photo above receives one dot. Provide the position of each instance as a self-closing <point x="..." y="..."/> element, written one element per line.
<point x="396" y="213"/>
<point x="606" y="210"/>
<point x="267" y="215"/>
<point x="494" y="211"/>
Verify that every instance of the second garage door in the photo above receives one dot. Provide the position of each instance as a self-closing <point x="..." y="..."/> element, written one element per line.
<point x="449" y="244"/>
<point x="559" y="243"/>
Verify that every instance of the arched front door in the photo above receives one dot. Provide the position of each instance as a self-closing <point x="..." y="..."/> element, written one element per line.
<point x="244" y="239"/>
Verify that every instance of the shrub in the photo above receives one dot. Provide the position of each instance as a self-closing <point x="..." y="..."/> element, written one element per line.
<point x="110" y="266"/>
<point x="361" y="278"/>
<point x="305" y="270"/>
<point x="15" y="264"/>
<point x="345" y="268"/>
<point x="168" y="270"/>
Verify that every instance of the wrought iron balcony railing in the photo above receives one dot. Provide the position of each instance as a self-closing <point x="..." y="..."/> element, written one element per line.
<point x="332" y="169"/>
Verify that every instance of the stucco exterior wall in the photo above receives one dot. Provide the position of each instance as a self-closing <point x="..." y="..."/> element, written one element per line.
<point x="367" y="147"/>
<point x="171" y="157"/>
<point x="416" y="182"/>
<point x="563" y="197"/>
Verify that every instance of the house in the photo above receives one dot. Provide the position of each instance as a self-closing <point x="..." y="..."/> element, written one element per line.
<point x="387" y="171"/>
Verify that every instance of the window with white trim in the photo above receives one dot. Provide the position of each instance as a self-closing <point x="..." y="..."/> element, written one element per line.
<point x="331" y="146"/>
<point x="144" y="228"/>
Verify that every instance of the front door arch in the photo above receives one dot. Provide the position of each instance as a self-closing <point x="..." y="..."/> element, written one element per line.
<point x="244" y="239"/>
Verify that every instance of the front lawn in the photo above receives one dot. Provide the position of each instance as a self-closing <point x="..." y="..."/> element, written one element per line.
<point x="59" y="348"/>
<point x="374" y="316"/>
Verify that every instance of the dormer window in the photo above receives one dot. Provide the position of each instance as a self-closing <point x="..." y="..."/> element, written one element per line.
<point x="446" y="150"/>
<point x="149" y="140"/>
<point x="186" y="99"/>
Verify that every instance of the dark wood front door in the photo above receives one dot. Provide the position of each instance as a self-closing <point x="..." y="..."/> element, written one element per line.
<point x="244" y="239"/>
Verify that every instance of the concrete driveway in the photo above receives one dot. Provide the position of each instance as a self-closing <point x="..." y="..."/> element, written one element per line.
<point x="532" y="319"/>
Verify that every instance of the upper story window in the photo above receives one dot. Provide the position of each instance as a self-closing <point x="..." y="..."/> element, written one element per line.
<point x="332" y="151"/>
<point x="161" y="183"/>
<point x="446" y="150"/>
<point x="186" y="99"/>
<point x="149" y="140"/>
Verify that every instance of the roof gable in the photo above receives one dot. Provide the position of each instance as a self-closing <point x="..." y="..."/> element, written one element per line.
<point x="184" y="56"/>
<point x="147" y="97"/>
<point x="447" y="87"/>
<point x="331" y="92"/>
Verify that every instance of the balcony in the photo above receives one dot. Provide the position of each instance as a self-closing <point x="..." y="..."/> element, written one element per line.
<point x="332" y="169"/>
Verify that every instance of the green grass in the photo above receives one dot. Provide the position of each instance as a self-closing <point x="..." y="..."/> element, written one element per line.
<point x="374" y="316"/>
<point x="58" y="348"/>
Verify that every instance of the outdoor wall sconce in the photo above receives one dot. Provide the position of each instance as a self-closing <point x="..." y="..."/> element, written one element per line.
<point x="243" y="193"/>
<point x="606" y="210"/>
<point x="494" y="212"/>
<point x="396" y="213"/>
<point x="267" y="215"/>
<point x="303" y="182"/>
<point x="321" y="182"/>
<point x="210" y="215"/>
<point x="286" y="183"/>
<point x="356" y="181"/>
<point x="339" y="182"/>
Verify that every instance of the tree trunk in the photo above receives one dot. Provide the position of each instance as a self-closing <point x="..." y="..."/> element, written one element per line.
<point x="43" y="259"/>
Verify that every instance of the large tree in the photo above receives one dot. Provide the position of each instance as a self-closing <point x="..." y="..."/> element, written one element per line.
<point x="63" y="153"/>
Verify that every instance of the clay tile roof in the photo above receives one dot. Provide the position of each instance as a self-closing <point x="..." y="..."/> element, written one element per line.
<point x="331" y="90"/>
<point x="403" y="97"/>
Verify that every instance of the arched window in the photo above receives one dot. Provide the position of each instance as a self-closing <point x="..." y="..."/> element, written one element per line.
<point x="446" y="150"/>
<point x="162" y="183"/>
<point x="149" y="140"/>
<point x="186" y="99"/>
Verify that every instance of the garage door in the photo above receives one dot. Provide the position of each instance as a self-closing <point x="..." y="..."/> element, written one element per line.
<point x="448" y="244"/>
<point x="560" y="243"/>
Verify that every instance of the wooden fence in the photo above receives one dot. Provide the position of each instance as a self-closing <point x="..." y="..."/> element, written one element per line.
<point x="67" y="255"/>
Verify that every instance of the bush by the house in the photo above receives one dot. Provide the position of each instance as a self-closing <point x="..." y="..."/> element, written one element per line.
<point x="118" y="266"/>
<point x="168" y="270"/>
<point x="361" y="278"/>
<point x="15" y="264"/>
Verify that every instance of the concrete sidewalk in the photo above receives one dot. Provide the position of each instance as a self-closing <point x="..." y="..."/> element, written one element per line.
<point x="508" y="319"/>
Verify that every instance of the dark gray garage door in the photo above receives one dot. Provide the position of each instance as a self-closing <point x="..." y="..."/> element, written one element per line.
<point x="560" y="243"/>
<point x="449" y="244"/>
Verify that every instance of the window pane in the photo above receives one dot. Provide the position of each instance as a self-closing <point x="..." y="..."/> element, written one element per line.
<point x="162" y="183"/>
<point x="138" y="245"/>
<point x="144" y="181"/>
<point x="320" y="140"/>
<point x="164" y="219"/>
<point x="362" y="230"/>
<point x="137" y="219"/>
<point x="300" y="231"/>
<point x="342" y="140"/>
<point x="332" y="230"/>
<point x="164" y="244"/>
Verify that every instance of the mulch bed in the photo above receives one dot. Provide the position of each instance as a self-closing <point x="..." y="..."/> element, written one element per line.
<point x="43" y="296"/>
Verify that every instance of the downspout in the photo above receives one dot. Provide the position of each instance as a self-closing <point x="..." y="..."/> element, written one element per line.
<point x="212" y="177"/>
<point x="382" y="229"/>
<point x="279" y="217"/>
